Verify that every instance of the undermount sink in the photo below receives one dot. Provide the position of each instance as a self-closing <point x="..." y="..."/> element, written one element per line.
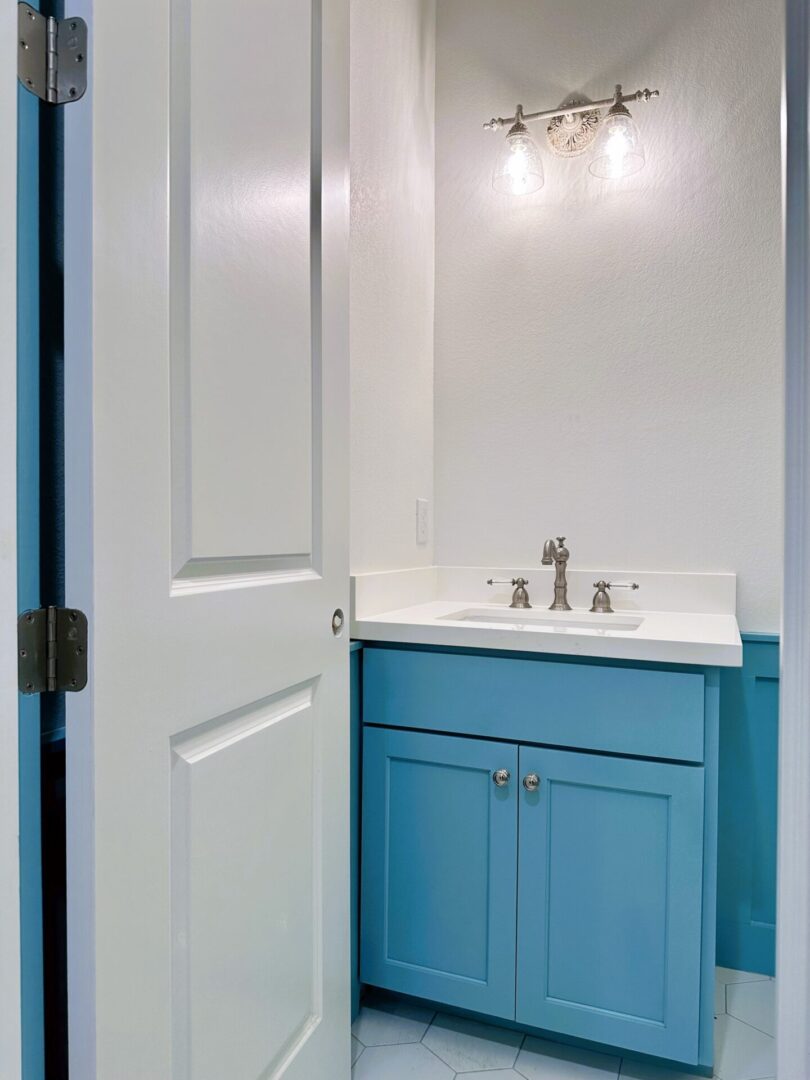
<point x="562" y="622"/>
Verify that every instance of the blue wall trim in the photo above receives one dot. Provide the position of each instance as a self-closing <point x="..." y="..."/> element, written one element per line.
<point x="28" y="576"/>
<point x="355" y="660"/>
<point x="749" y="737"/>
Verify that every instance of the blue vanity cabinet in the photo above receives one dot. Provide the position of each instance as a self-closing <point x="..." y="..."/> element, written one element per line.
<point x="439" y="868"/>
<point x="584" y="908"/>
<point x="609" y="903"/>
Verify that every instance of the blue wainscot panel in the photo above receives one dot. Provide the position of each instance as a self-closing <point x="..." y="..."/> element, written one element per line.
<point x="749" y="737"/>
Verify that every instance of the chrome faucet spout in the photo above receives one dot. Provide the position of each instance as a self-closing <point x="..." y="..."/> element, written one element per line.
<point x="558" y="554"/>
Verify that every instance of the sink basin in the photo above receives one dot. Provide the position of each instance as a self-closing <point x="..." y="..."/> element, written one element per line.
<point x="559" y="622"/>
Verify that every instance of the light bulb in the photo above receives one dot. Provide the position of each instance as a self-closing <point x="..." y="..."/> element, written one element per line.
<point x="618" y="150"/>
<point x="519" y="168"/>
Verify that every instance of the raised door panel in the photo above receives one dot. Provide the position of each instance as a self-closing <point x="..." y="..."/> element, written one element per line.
<point x="245" y="288"/>
<point x="240" y="813"/>
<point x="609" y="907"/>
<point x="439" y="869"/>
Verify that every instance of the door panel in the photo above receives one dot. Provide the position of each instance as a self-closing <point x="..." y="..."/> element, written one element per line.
<point x="440" y="862"/>
<point x="244" y="284"/>
<point x="609" y="909"/>
<point x="207" y="486"/>
<point x="228" y="780"/>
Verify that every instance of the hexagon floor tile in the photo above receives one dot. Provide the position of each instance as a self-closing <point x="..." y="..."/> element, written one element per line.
<point x="730" y="975"/>
<point x="753" y="1003"/>
<point x="719" y="996"/>
<point x="407" y="1061"/>
<point x="468" y="1046"/>
<point x="387" y="1034"/>
<point x="386" y="1021"/>
<point x="742" y="1052"/>
<point x="642" y="1070"/>
<point x="494" y="1074"/>
<point x="541" y="1059"/>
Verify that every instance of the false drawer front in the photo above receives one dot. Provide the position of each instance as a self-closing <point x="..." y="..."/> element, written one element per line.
<point x="641" y="712"/>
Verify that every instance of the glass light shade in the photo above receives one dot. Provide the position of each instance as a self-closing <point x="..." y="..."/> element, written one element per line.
<point x="618" y="150"/>
<point x="519" y="168"/>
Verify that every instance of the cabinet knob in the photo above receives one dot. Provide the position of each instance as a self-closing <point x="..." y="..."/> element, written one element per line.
<point x="501" y="777"/>
<point x="531" y="781"/>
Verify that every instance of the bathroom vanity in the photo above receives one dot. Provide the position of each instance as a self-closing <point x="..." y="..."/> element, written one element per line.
<point x="539" y="817"/>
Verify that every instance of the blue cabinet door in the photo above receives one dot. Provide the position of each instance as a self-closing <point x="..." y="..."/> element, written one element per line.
<point x="609" y="904"/>
<point x="439" y="869"/>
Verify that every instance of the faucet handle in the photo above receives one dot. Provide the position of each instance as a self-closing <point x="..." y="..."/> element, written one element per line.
<point x="520" y="598"/>
<point x="601" y="602"/>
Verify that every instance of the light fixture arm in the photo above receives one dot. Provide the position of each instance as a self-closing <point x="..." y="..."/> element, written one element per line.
<point x="618" y="99"/>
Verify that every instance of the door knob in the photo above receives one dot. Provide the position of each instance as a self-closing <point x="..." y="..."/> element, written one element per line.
<point x="531" y="781"/>
<point x="501" y="777"/>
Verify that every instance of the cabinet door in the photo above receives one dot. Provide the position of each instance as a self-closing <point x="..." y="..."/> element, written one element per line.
<point x="609" y="905"/>
<point x="439" y="868"/>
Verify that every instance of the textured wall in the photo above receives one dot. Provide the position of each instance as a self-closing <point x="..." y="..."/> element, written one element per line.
<point x="392" y="287"/>
<point x="608" y="356"/>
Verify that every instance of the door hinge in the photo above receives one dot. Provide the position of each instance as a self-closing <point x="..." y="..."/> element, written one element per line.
<point x="52" y="650"/>
<point x="52" y="55"/>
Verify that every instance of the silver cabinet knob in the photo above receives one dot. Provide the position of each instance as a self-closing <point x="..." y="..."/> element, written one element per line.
<point x="531" y="781"/>
<point x="501" y="777"/>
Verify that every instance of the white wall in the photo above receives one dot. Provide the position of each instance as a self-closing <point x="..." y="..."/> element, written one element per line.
<point x="609" y="358"/>
<point x="392" y="284"/>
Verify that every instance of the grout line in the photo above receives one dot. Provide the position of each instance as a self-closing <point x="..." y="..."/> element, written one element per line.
<point x="752" y="1026"/>
<point x="440" y="1059"/>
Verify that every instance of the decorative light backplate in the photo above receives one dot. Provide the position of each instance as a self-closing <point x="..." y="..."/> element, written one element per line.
<point x="571" y="134"/>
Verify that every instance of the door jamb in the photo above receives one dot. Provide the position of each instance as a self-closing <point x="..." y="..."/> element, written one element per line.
<point x="10" y="971"/>
<point x="793" y="888"/>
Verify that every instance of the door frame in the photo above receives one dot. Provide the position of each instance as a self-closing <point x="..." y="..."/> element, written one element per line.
<point x="793" y="933"/>
<point x="10" y="970"/>
<point x="793" y="876"/>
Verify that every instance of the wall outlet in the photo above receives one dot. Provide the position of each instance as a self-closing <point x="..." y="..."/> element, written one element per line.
<point x="422" y="521"/>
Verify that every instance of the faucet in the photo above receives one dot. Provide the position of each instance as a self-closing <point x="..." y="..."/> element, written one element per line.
<point x="558" y="554"/>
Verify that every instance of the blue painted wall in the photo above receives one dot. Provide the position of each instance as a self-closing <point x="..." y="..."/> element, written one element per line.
<point x="749" y="736"/>
<point x="28" y="574"/>
<point x="355" y="659"/>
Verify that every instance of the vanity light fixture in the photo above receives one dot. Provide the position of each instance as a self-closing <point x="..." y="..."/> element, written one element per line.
<point x="618" y="149"/>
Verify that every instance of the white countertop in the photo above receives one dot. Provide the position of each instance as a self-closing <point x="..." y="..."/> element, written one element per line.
<point x="707" y="638"/>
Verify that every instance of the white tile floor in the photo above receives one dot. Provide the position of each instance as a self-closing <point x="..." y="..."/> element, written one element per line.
<point x="395" y="1041"/>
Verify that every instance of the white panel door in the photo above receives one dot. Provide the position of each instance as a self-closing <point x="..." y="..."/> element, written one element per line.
<point x="207" y="531"/>
<point x="10" y="1049"/>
